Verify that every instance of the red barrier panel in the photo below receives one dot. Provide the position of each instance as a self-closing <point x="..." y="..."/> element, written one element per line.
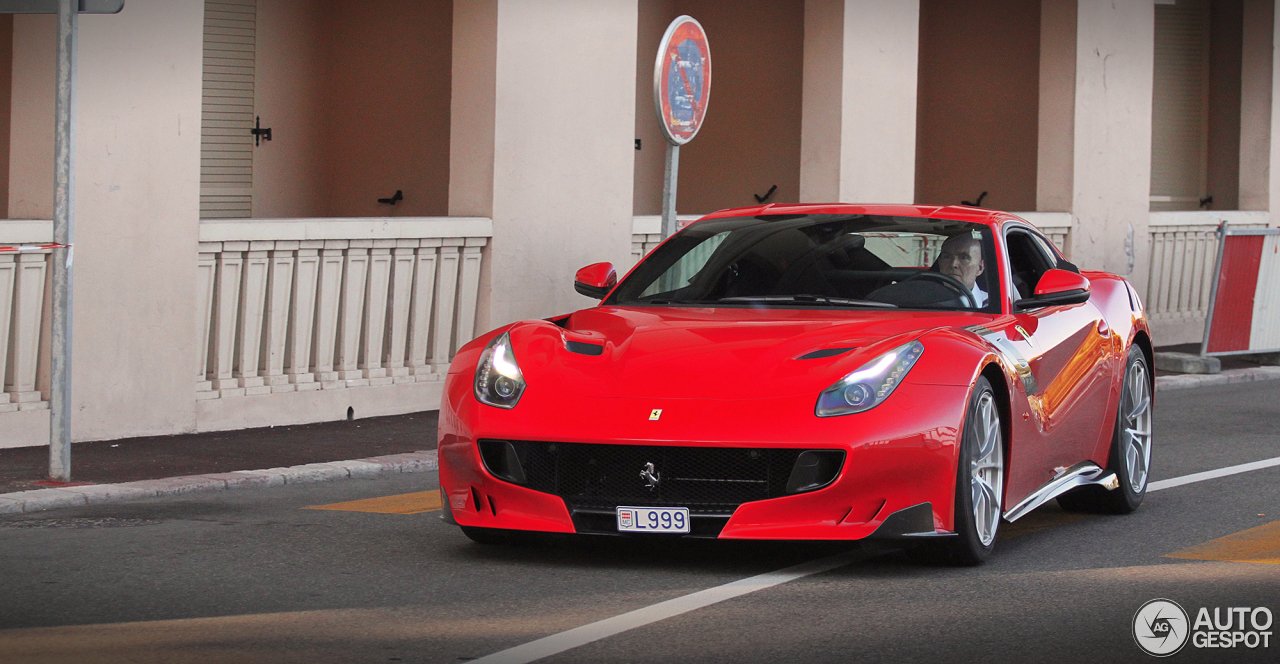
<point x="1242" y="317"/>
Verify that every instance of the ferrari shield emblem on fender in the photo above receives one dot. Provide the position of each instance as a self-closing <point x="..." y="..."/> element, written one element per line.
<point x="655" y="414"/>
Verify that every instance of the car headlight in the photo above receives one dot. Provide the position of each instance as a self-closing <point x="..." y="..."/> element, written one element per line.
<point x="499" y="382"/>
<point x="870" y="385"/>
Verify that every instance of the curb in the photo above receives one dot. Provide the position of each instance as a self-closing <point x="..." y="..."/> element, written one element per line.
<point x="1188" y="381"/>
<point x="21" y="502"/>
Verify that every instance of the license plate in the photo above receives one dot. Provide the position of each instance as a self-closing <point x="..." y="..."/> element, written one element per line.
<point x="653" y="519"/>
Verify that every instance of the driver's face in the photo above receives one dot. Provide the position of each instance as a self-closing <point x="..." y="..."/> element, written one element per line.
<point x="961" y="258"/>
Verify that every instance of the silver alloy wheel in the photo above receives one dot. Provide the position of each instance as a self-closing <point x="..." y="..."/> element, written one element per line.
<point x="986" y="476"/>
<point x="1135" y="423"/>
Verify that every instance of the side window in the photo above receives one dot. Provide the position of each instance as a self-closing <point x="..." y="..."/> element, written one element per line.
<point x="1027" y="261"/>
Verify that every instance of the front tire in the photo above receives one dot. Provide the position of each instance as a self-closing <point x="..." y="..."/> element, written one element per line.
<point x="979" y="480"/>
<point x="1130" y="456"/>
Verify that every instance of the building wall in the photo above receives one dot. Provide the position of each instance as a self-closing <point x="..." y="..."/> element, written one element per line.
<point x="1112" y="160"/>
<point x="977" y="114"/>
<point x="564" y="112"/>
<point x="289" y="171"/>
<point x="387" y="101"/>
<point x="750" y="140"/>
<point x="6" y="89"/>
<point x="1226" y="29"/>
<point x="881" y="46"/>
<point x="137" y="194"/>
<point x="31" y="121"/>
<point x="357" y="96"/>
<point x="1255" y="103"/>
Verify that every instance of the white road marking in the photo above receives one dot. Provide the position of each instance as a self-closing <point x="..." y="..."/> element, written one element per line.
<point x="558" y="643"/>
<point x="1212" y="474"/>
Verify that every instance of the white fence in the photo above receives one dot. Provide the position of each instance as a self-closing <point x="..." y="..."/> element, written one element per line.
<point x="24" y="283"/>
<point x="309" y="304"/>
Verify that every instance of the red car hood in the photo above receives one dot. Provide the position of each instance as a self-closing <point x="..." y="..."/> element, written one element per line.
<point x="741" y="353"/>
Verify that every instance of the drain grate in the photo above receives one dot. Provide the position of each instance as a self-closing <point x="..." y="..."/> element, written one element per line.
<point x="102" y="522"/>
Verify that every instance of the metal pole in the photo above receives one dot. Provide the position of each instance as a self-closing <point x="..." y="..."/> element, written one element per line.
<point x="672" y="173"/>
<point x="63" y="225"/>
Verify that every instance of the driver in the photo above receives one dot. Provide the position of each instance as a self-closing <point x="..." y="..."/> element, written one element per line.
<point x="961" y="257"/>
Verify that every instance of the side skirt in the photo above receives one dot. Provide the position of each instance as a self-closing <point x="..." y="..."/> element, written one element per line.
<point x="1081" y="474"/>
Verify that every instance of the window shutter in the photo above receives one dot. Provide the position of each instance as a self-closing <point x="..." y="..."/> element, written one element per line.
<point x="1180" y="105"/>
<point x="226" y="146"/>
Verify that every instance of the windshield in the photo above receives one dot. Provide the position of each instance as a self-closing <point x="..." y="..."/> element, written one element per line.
<point x="821" y="260"/>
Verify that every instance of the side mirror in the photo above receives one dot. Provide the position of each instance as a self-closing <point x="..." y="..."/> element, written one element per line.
<point x="1057" y="287"/>
<point x="596" y="280"/>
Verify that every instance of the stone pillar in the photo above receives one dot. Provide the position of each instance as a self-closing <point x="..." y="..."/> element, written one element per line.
<point x="542" y="142"/>
<point x="858" y="133"/>
<point x="137" y="191"/>
<point x="1111" y="169"/>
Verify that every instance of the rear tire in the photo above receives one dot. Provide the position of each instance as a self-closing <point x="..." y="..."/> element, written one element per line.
<point x="979" y="481"/>
<point x="1130" y="455"/>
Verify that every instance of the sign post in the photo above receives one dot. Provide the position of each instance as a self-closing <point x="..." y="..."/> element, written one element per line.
<point x="63" y="220"/>
<point x="681" y="91"/>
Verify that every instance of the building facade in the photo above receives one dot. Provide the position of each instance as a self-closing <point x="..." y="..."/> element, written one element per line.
<point x="437" y="168"/>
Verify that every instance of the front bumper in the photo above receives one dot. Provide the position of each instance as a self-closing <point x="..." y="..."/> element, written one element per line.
<point x="897" y="456"/>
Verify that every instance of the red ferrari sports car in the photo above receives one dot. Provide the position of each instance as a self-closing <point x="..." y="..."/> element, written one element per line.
<point x="810" y="372"/>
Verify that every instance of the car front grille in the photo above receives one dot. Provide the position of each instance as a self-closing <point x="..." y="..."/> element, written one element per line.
<point x="710" y="481"/>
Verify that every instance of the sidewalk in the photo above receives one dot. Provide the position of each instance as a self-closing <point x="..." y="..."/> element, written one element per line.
<point x="166" y="465"/>
<point x="158" y="457"/>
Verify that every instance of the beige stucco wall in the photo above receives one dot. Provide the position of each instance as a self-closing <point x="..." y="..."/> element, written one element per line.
<point x="31" y="120"/>
<point x="6" y="89"/>
<point x="387" y="99"/>
<point x="978" y="102"/>
<point x="1273" y="171"/>
<point x="357" y="110"/>
<point x="1055" y="147"/>
<point x="1223" y="167"/>
<point x="878" y="49"/>
<point x="1255" y="104"/>
<point x="289" y="171"/>
<point x="1112" y="152"/>
<point x="137" y="201"/>
<point x="822" y="112"/>
<point x="751" y="140"/>
<point x="562" y="122"/>
<point x="653" y="16"/>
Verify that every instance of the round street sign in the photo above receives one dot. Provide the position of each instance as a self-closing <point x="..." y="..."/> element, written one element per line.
<point x="682" y="79"/>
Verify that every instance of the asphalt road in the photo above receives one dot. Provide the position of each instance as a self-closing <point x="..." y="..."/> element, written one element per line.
<point x="254" y="576"/>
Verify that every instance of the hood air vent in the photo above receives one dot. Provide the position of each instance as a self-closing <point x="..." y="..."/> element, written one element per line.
<point x="825" y="352"/>
<point x="583" y="348"/>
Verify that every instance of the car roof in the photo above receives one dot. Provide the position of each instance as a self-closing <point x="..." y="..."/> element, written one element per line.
<point x="953" y="212"/>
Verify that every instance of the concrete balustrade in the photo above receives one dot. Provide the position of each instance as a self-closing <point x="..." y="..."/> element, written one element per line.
<point x="24" y="284"/>
<point x="315" y="304"/>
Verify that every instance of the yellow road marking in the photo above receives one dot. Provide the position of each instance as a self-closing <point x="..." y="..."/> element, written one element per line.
<point x="1255" y="545"/>
<point x="405" y="503"/>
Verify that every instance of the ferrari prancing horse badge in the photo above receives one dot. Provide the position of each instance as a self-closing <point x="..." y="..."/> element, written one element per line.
<point x="655" y="414"/>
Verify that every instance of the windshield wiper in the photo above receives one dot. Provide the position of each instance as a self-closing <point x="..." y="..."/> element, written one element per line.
<point x="808" y="299"/>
